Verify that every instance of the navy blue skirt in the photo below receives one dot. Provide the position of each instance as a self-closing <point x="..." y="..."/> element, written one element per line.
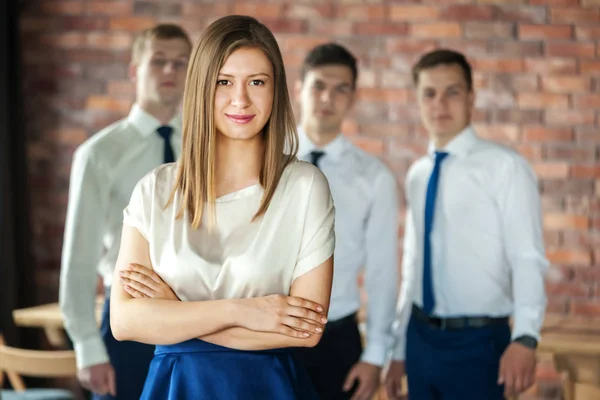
<point x="204" y="371"/>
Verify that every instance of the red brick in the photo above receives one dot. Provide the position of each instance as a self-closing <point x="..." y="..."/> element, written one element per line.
<point x="566" y="83"/>
<point x="590" y="3"/>
<point x="580" y="239"/>
<point x="469" y="47"/>
<point x="570" y="49"/>
<point x="334" y="28"/>
<point x="551" y="65"/>
<point x="285" y="26"/>
<point x="544" y="134"/>
<point x="551" y="239"/>
<point x="574" y="16"/>
<point x="519" y="13"/>
<point x="570" y="289"/>
<point x="584" y="308"/>
<point x="361" y="12"/>
<point x="570" y="256"/>
<point x="115" y="7"/>
<point x="61" y="7"/>
<point x="515" y="82"/>
<point x="498" y="65"/>
<point x="349" y="127"/>
<point x="587" y="101"/>
<point x="518" y="116"/>
<point x="110" y="41"/>
<point x="309" y="11"/>
<point x="107" y="104"/>
<point x="511" y="48"/>
<point x="70" y="40"/>
<point x="370" y="145"/>
<point x="205" y="9"/>
<point x="66" y="135"/>
<point x="383" y="95"/>
<point x="388" y="130"/>
<point x="502" y="133"/>
<point x="412" y="13"/>
<point x="542" y="100"/>
<point x="585" y="171"/>
<point x="566" y="221"/>
<point x="436" y="30"/>
<point x="261" y="10"/>
<point x="551" y="170"/>
<point x="556" y="3"/>
<point x="121" y="89"/>
<point x="570" y="117"/>
<point x="545" y="32"/>
<point x="558" y="151"/>
<point x="487" y="30"/>
<point x="132" y="24"/>
<point x="381" y="28"/>
<point x="493" y="99"/>
<point x="408" y="46"/>
<point x="587" y="32"/>
<point x="399" y="80"/>
<point x="468" y="12"/>
<point x="574" y="187"/>
<point x="301" y="43"/>
<point x="502" y="1"/>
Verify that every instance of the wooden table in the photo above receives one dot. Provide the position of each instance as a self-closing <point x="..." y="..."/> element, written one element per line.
<point x="50" y="318"/>
<point x="574" y="344"/>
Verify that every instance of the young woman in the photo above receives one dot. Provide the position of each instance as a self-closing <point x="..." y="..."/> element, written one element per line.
<point x="238" y="229"/>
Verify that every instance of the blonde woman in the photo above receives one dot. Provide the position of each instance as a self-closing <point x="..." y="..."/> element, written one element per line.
<point x="238" y="230"/>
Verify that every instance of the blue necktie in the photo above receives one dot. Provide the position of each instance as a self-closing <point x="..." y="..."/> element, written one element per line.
<point x="315" y="156"/>
<point x="165" y="132"/>
<point x="432" y="186"/>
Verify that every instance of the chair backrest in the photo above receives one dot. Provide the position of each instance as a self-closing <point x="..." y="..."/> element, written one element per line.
<point x="37" y="363"/>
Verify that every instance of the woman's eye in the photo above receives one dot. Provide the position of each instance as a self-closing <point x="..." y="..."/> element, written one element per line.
<point x="257" y="82"/>
<point x="222" y="82"/>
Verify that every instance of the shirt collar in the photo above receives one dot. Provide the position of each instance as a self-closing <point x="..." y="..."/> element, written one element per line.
<point x="146" y="124"/>
<point x="460" y="145"/>
<point x="333" y="150"/>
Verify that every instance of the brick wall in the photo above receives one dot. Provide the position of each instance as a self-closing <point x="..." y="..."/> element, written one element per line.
<point x="537" y="66"/>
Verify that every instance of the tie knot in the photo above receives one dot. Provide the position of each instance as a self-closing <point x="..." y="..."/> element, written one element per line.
<point x="440" y="155"/>
<point x="315" y="156"/>
<point x="165" y="131"/>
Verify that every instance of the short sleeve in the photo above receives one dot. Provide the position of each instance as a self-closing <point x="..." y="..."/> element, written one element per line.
<point x="138" y="211"/>
<point x="318" y="238"/>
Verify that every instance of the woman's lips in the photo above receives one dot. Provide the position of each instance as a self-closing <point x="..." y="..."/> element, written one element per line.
<point x="240" y="119"/>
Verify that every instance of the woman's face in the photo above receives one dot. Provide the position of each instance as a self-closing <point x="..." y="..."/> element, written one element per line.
<point x="244" y="94"/>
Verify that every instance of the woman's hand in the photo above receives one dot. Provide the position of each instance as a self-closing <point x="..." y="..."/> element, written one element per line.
<point x="142" y="282"/>
<point x="287" y="315"/>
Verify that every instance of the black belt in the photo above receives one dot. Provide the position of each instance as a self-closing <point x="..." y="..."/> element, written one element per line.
<point x="456" y="322"/>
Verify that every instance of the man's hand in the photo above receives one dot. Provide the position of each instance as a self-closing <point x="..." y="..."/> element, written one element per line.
<point x="393" y="380"/>
<point x="368" y="376"/>
<point x="517" y="369"/>
<point x="99" y="379"/>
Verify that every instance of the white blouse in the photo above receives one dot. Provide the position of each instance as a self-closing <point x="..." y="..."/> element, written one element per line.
<point x="239" y="258"/>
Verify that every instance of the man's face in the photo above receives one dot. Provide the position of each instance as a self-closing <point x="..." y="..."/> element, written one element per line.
<point x="445" y="101"/>
<point x="326" y="95"/>
<point x="160" y="72"/>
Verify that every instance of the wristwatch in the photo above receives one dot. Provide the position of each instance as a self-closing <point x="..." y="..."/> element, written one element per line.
<point x="527" y="341"/>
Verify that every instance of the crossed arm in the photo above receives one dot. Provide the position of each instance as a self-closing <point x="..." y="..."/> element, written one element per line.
<point x="247" y="324"/>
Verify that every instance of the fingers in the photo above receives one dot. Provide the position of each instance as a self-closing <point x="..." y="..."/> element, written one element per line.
<point x="287" y="331"/>
<point x="393" y="389"/>
<point x="136" y="294"/>
<point x="139" y="286"/>
<point x="306" y="314"/>
<point x="140" y="269"/>
<point x="302" y="325"/>
<point x="350" y="379"/>
<point x="304" y="303"/>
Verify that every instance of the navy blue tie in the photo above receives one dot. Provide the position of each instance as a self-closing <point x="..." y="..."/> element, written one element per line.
<point x="315" y="156"/>
<point x="432" y="186"/>
<point x="165" y="132"/>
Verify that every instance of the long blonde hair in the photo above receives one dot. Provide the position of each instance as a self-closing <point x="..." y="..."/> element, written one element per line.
<point x="196" y="173"/>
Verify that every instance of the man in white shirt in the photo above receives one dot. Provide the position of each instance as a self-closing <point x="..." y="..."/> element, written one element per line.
<point x="105" y="169"/>
<point x="365" y="196"/>
<point x="473" y="253"/>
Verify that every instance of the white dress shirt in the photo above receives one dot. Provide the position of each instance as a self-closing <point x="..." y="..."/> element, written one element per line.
<point x="487" y="244"/>
<point x="239" y="258"/>
<point x="104" y="172"/>
<point x="365" y="194"/>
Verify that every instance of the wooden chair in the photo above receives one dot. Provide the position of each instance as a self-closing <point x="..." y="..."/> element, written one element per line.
<point x="44" y="364"/>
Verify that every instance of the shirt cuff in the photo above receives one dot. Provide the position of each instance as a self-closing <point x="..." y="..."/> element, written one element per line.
<point x="374" y="353"/>
<point x="90" y="351"/>
<point x="529" y="325"/>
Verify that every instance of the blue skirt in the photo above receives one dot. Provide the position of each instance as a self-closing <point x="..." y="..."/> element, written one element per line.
<point x="204" y="371"/>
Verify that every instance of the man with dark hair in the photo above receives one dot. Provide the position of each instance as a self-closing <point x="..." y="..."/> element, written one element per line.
<point x="473" y="253"/>
<point x="365" y="196"/>
<point x="105" y="169"/>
